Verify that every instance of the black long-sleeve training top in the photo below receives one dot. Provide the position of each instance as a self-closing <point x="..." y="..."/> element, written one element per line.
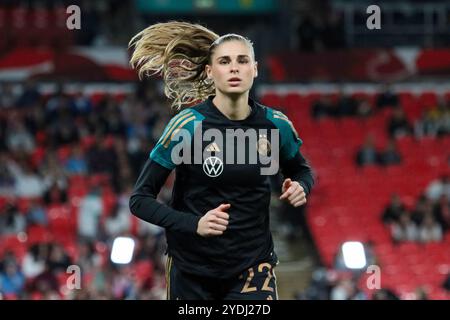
<point x="218" y="160"/>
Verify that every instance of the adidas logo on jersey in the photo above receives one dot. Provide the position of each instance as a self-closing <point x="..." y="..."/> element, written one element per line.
<point x="213" y="147"/>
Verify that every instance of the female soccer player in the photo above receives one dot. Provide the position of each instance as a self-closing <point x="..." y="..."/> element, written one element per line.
<point x="223" y="149"/>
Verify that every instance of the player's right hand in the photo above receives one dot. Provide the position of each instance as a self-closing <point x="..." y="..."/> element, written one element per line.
<point x="214" y="222"/>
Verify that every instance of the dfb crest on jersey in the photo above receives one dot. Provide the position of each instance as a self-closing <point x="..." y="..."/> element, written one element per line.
<point x="213" y="166"/>
<point x="263" y="145"/>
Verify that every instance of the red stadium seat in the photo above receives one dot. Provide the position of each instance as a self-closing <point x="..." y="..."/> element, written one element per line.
<point x="13" y="244"/>
<point x="272" y="100"/>
<point x="38" y="234"/>
<point x="295" y="103"/>
<point x="428" y="99"/>
<point x="143" y="271"/>
<point x="407" y="99"/>
<point x="62" y="223"/>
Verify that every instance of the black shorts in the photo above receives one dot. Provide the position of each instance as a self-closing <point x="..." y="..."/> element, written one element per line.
<point x="255" y="283"/>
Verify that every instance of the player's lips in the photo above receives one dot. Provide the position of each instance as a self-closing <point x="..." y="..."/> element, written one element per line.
<point x="234" y="81"/>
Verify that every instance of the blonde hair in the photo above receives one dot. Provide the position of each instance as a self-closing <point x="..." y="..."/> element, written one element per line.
<point x="179" y="51"/>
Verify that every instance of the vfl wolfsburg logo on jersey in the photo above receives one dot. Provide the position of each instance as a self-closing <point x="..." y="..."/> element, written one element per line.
<point x="213" y="166"/>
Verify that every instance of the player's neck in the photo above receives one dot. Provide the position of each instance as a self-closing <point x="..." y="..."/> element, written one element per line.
<point x="234" y="108"/>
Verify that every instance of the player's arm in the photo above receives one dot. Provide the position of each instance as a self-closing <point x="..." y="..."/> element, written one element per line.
<point x="294" y="167"/>
<point x="299" y="180"/>
<point x="143" y="203"/>
<point x="298" y="169"/>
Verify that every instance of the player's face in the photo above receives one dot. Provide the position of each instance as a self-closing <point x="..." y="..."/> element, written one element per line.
<point x="232" y="67"/>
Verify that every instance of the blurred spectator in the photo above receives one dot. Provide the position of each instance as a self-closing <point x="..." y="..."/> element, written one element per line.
<point x="12" y="221"/>
<point x="316" y="32"/>
<point x="36" y="214"/>
<point x="30" y="96"/>
<point x="367" y="155"/>
<point x="346" y="289"/>
<point x="384" y="294"/>
<point x="90" y="210"/>
<point x="58" y="102"/>
<point x="151" y="250"/>
<point x="76" y="163"/>
<point x="7" y="96"/>
<point x="58" y="260"/>
<point x="46" y="283"/>
<point x="53" y="173"/>
<point x="82" y="104"/>
<point x="125" y="174"/>
<point x="387" y="98"/>
<point x="34" y="261"/>
<point x="55" y="195"/>
<point x="399" y="125"/>
<point x="439" y="187"/>
<point x="446" y="284"/>
<point x="441" y="211"/>
<point x="63" y="131"/>
<point x="8" y="257"/>
<point x="319" y="287"/>
<point x="443" y="127"/>
<point x="405" y="229"/>
<point x="139" y="155"/>
<point x="90" y="20"/>
<point x="307" y="33"/>
<point x="363" y="109"/>
<point x="421" y="293"/>
<point x="434" y="122"/>
<point x="115" y="125"/>
<point x="12" y="280"/>
<point x="28" y="183"/>
<point x="96" y="124"/>
<point x="346" y="105"/>
<point x="426" y="126"/>
<point x="334" y="33"/>
<point x="102" y="158"/>
<point x="430" y="230"/>
<point x="394" y="210"/>
<point x="18" y="138"/>
<point x="88" y="259"/>
<point x="322" y="107"/>
<point x="390" y="155"/>
<point x="118" y="222"/>
<point x="6" y="177"/>
<point x="418" y="213"/>
<point x="123" y="287"/>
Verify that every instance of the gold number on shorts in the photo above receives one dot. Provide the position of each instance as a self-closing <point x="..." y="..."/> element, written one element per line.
<point x="251" y="274"/>
<point x="247" y="287"/>
<point x="269" y="276"/>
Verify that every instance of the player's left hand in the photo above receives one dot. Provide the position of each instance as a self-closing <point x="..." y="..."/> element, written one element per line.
<point x="293" y="192"/>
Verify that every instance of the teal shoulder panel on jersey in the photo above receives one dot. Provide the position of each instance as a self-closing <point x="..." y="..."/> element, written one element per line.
<point x="179" y="128"/>
<point x="289" y="139"/>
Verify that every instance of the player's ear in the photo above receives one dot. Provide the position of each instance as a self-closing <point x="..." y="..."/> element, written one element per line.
<point x="256" y="69"/>
<point x="208" y="71"/>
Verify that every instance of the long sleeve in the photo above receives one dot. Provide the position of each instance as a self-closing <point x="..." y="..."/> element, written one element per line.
<point x="292" y="163"/>
<point x="299" y="170"/>
<point x="144" y="205"/>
